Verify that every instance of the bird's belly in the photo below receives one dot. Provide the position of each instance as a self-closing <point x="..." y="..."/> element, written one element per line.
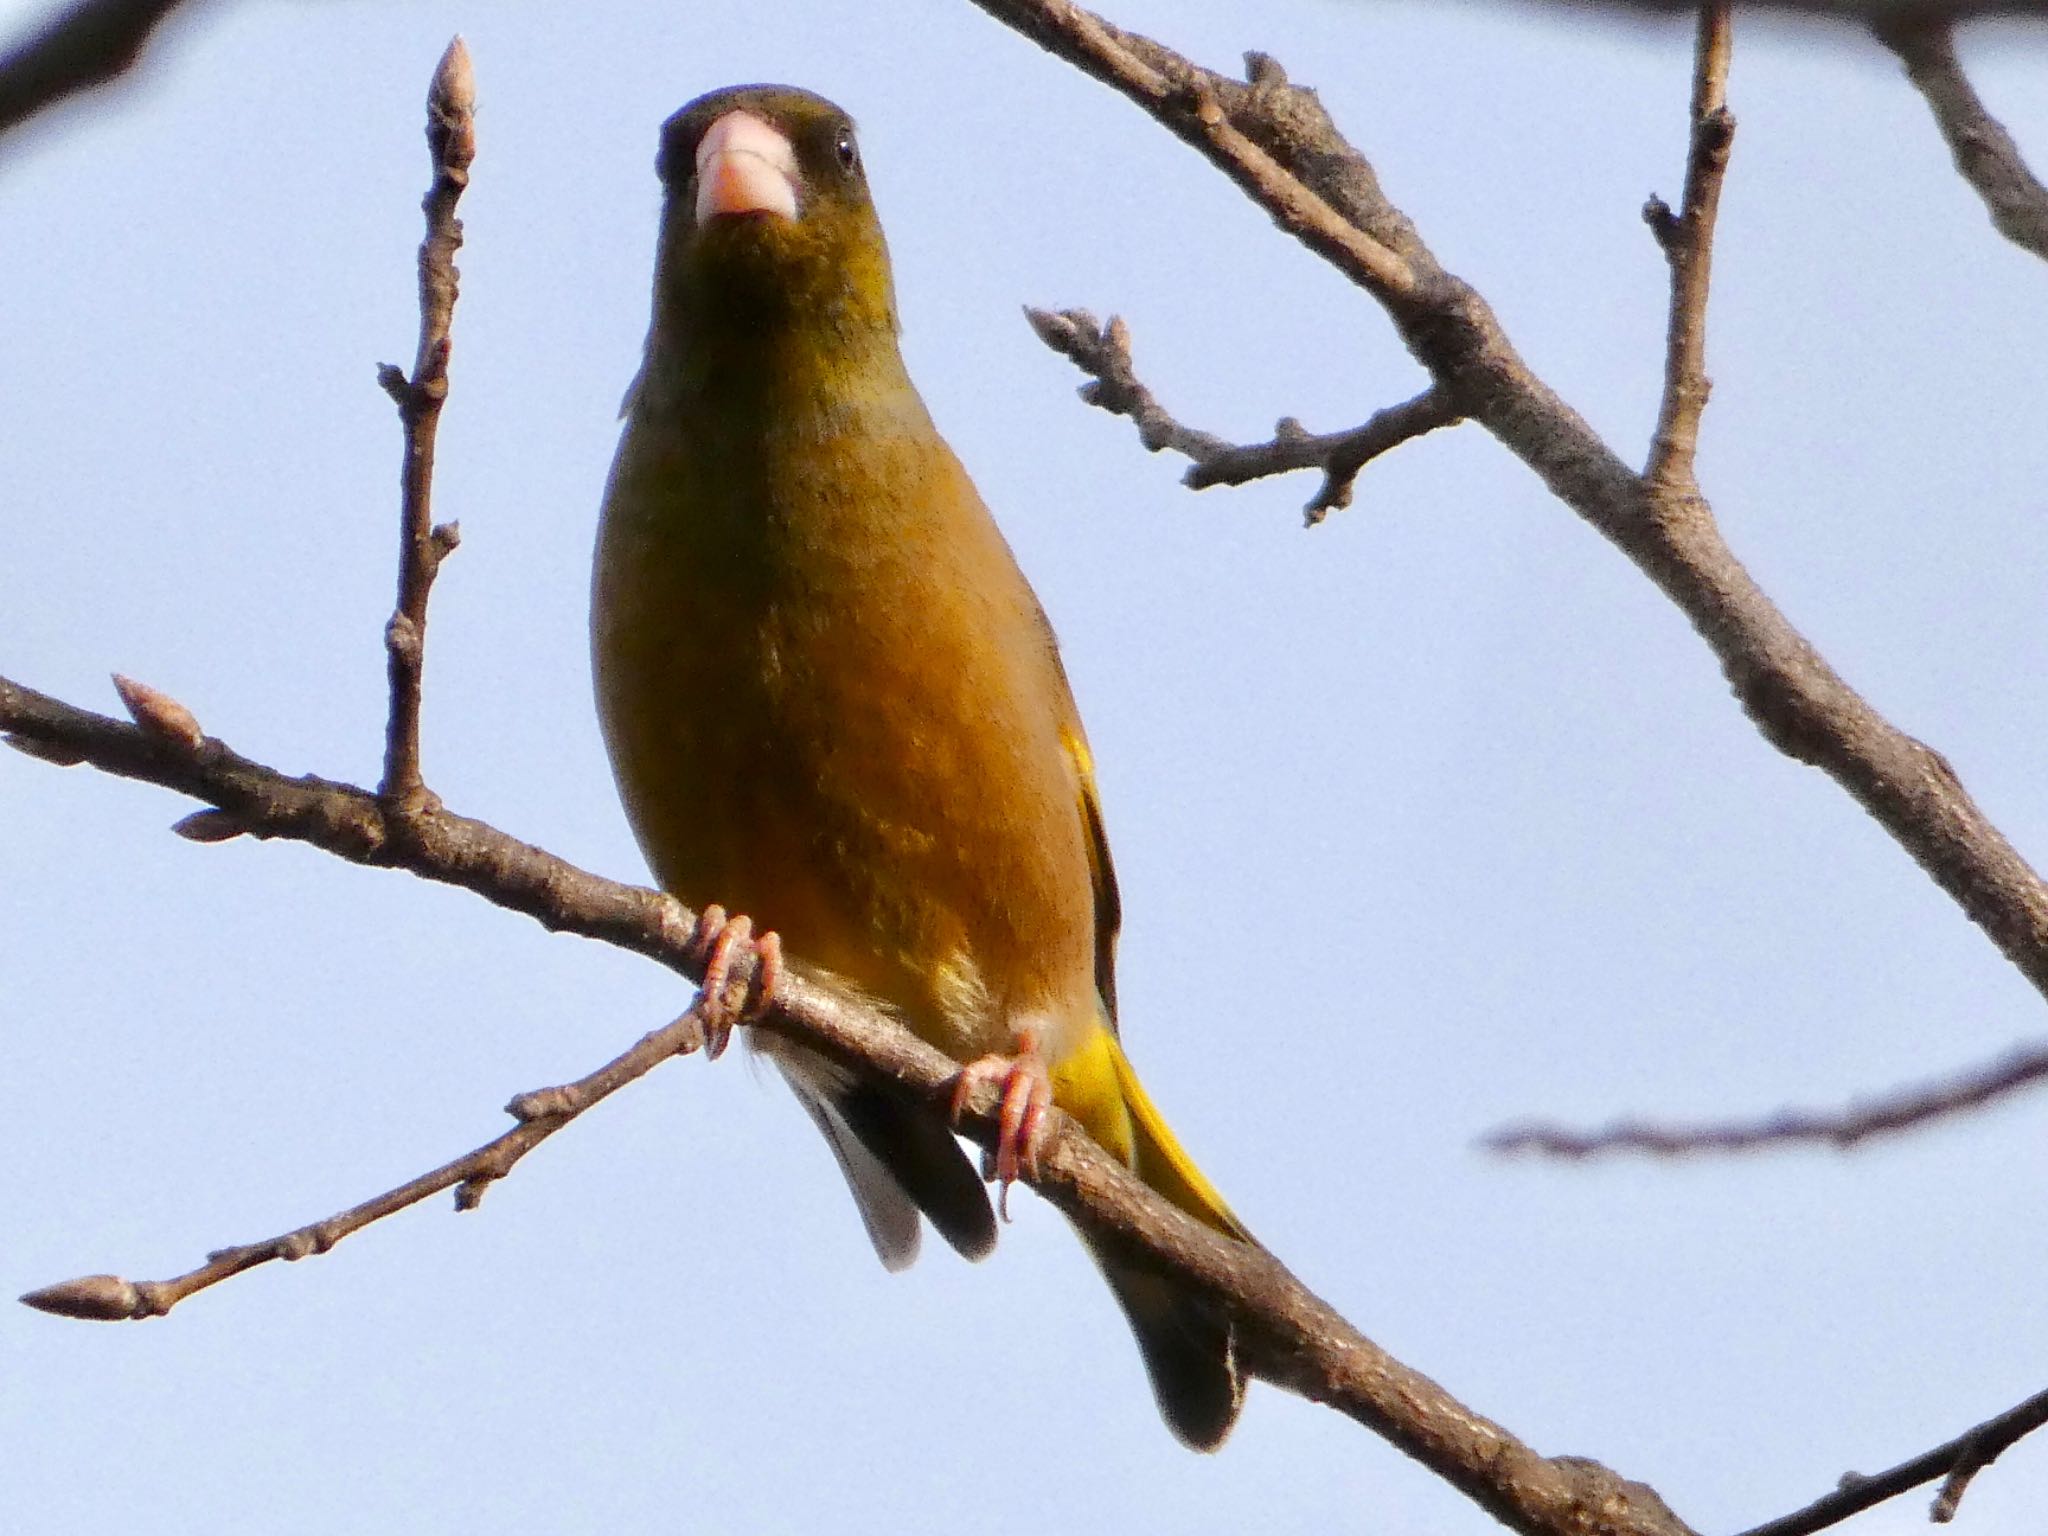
<point x="840" y="739"/>
<point x="843" y="828"/>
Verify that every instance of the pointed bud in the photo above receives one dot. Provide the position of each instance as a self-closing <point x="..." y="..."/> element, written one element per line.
<point x="451" y="102"/>
<point x="95" y="1298"/>
<point x="209" y="826"/>
<point x="160" y="714"/>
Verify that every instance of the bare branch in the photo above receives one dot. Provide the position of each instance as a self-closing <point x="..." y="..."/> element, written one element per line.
<point x="1853" y="11"/>
<point x="1800" y="704"/>
<point x="109" y="1298"/>
<point x="352" y="824"/>
<point x="1984" y="152"/>
<point x="91" y="43"/>
<point x="1954" y="1463"/>
<point x="1900" y="1110"/>
<point x="451" y="142"/>
<point x="1104" y="353"/>
<point x="1195" y="105"/>
<point x="1289" y="1336"/>
<point x="1688" y="242"/>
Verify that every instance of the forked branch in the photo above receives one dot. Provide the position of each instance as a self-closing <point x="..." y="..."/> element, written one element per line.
<point x="1103" y="352"/>
<point x="1286" y="154"/>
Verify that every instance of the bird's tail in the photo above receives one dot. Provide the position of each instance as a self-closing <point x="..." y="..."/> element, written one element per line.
<point x="1188" y="1342"/>
<point x="899" y="1159"/>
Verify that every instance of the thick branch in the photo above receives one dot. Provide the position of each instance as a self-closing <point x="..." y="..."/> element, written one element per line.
<point x="89" y="44"/>
<point x="451" y="143"/>
<point x="1900" y="1110"/>
<point x="1289" y="1336"/>
<point x="1688" y="242"/>
<point x="1796" y="699"/>
<point x="1984" y="152"/>
<point x="1104" y="353"/>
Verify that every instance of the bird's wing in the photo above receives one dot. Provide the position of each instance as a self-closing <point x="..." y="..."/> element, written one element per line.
<point x="1109" y="907"/>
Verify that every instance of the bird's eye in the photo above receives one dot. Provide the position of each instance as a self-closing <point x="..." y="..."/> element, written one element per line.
<point x="842" y="146"/>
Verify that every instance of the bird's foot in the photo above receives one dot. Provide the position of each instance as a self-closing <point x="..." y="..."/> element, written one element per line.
<point x="1027" y="1095"/>
<point x="716" y="943"/>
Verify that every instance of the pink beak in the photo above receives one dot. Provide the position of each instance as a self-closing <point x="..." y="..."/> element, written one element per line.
<point x="745" y="165"/>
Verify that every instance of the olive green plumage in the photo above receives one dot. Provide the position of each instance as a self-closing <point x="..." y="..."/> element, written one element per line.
<point x="833" y="702"/>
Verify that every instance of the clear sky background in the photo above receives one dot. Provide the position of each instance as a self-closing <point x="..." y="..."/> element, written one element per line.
<point x="1448" y="757"/>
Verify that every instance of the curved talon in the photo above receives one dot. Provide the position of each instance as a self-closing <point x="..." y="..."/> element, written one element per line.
<point x="717" y="941"/>
<point x="767" y="977"/>
<point x="1020" y="1118"/>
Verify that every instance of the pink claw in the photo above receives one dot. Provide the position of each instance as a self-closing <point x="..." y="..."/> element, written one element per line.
<point x="1027" y="1095"/>
<point x="718" y="941"/>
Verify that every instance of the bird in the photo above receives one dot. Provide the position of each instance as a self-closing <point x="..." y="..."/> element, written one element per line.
<point x="835" y="707"/>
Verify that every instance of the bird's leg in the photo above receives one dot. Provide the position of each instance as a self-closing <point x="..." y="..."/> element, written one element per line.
<point x="1027" y="1095"/>
<point x="716" y="942"/>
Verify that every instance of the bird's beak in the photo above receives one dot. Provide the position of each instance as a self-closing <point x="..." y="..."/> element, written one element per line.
<point x="745" y="165"/>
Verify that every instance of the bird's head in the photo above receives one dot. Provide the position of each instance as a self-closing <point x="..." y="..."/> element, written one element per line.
<point x="768" y="225"/>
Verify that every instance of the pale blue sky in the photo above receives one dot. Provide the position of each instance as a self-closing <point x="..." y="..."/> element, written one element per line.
<point x="1448" y="754"/>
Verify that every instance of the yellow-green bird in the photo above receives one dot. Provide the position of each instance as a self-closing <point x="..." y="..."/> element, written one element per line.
<point x="834" y="704"/>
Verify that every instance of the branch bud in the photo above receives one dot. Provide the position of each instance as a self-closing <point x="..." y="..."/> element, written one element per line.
<point x="209" y="826"/>
<point x="159" y="714"/>
<point x="95" y="1298"/>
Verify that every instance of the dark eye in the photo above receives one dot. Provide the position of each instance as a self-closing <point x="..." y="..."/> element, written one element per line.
<point x="842" y="146"/>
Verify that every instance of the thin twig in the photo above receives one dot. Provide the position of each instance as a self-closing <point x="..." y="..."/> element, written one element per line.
<point x="1688" y="242"/>
<point x="1289" y="1336"/>
<point x="1900" y="1110"/>
<point x="87" y="45"/>
<point x="1104" y="353"/>
<point x="109" y="1298"/>
<point x="1985" y="153"/>
<point x="451" y="142"/>
<point x="1955" y="1463"/>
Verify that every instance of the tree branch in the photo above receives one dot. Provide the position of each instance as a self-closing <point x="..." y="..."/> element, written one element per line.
<point x="1985" y="153"/>
<point x="1854" y="11"/>
<point x="1289" y="1336"/>
<point x="1800" y="704"/>
<point x="88" y="45"/>
<point x="109" y="1298"/>
<point x="1688" y="242"/>
<point x="1900" y="1110"/>
<point x="1955" y="1463"/>
<point x="1104" y="353"/>
<point x="451" y="143"/>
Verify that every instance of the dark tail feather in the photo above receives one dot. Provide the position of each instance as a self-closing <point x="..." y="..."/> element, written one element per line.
<point x="899" y="1160"/>
<point x="1189" y="1348"/>
<point x="920" y="1152"/>
<point x="1190" y="1354"/>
